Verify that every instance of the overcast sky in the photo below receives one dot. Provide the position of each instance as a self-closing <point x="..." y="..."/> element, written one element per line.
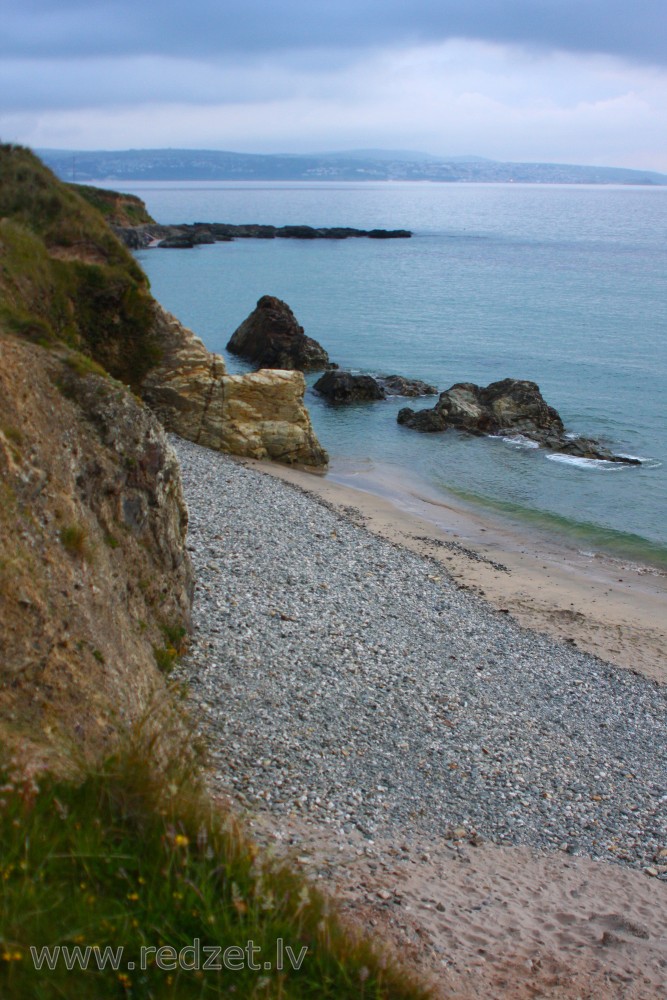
<point x="578" y="81"/>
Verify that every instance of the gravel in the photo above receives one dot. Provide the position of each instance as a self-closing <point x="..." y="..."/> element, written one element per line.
<point x="346" y="680"/>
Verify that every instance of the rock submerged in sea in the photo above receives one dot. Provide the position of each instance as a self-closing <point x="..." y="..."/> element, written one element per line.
<point x="344" y="387"/>
<point x="509" y="407"/>
<point x="398" y="385"/>
<point x="185" y="235"/>
<point x="271" y="337"/>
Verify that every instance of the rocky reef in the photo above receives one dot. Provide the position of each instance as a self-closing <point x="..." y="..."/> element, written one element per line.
<point x="187" y="235"/>
<point x="271" y="337"/>
<point x="344" y="387"/>
<point x="507" y="407"/>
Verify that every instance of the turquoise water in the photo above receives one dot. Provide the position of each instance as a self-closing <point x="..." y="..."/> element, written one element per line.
<point x="566" y="286"/>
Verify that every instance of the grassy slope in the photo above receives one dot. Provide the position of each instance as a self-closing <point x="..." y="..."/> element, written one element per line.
<point x="118" y="209"/>
<point x="134" y="859"/>
<point x="64" y="276"/>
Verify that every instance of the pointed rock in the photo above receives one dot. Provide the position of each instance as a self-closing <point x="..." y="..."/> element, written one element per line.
<point x="271" y="338"/>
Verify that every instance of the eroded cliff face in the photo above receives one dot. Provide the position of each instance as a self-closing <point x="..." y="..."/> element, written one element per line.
<point x="258" y="415"/>
<point x="95" y="580"/>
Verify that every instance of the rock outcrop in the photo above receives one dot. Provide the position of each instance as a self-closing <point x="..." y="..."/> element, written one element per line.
<point x="398" y="385"/>
<point x="259" y="415"/>
<point x="95" y="579"/>
<point x="192" y="234"/>
<point x="344" y="387"/>
<point x="508" y="407"/>
<point x="271" y="338"/>
<point x="264" y="417"/>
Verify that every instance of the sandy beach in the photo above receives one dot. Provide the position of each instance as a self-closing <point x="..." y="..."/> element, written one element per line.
<point x="482" y="921"/>
<point x="603" y="605"/>
<point x="447" y="802"/>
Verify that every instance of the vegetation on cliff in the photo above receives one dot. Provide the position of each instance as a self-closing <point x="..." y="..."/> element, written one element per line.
<point x="134" y="880"/>
<point x="65" y="277"/>
<point x="118" y="209"/>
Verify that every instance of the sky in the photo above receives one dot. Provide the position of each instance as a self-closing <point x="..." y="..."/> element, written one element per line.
<point x="567" y="81"/>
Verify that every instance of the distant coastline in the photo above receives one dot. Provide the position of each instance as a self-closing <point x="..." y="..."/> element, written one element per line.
<point x="359" y="166"/>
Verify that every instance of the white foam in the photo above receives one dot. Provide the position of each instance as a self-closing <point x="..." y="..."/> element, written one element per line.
<point x="518" y="440"/>
<point x="583" y="463"/>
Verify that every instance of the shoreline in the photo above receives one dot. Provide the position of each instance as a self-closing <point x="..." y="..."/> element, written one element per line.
<point x="603" y="605"/>
<point x="487" y="800"/>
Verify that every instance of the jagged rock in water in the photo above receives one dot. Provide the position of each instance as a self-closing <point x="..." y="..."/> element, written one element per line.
<point x="178" y="242"/>
<point x="343" y="387"/>
<point x="258" y="415"/>
<point x="397" y="385"/>
<point x="271" y="338"/>
<point x="502" y="406"/>
<point x="508" y="407"/>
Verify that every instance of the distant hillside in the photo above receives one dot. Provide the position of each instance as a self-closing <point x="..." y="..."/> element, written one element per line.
<point x="355" y="165"/>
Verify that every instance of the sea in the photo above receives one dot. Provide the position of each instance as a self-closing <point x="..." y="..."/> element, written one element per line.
<point x="562" y="285"/>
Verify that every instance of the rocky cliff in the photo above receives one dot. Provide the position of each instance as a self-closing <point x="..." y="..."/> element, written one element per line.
<point x="66" y="279"/>
<point x="95" y="580"/>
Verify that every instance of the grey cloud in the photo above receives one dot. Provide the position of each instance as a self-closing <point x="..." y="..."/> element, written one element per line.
<point x="126" y="81"/>
<point x="206" y="28"/>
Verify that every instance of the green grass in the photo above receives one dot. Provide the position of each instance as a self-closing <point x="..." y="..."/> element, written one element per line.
<point x="73" y="537"/>
<point x="165" y="657"/>
<point x="64" y="276"/>
<point x="176" y="636"/>
<point x="119" y="209"/>
<point x="137" y="858"/>
<point x="82" y="365"/>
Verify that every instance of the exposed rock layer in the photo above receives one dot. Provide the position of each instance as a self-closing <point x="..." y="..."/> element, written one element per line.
<point x="511" y="406"/>
<point x="271" y="338"/>
<point x="93" y="562"/>
<point x="259" y="415"/>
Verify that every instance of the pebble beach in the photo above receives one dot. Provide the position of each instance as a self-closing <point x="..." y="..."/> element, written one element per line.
<point x="348" y="685"/>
